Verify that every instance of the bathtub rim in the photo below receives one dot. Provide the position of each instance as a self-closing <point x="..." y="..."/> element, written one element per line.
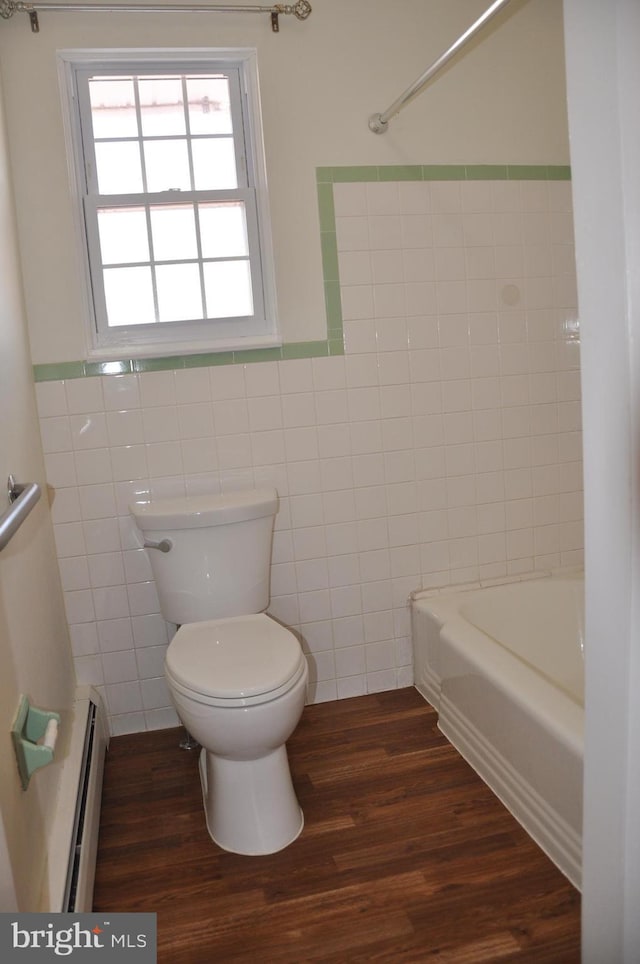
<point x="536" y="690"/>
<point x="533" y="695"/>
<point x="441" y="605"/>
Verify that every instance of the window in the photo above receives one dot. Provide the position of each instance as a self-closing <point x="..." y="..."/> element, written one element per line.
<point x="169" y="176"/>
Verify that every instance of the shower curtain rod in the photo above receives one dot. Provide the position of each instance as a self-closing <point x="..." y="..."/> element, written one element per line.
<point x="300" y="10"/>
<point x="378" y="123"/>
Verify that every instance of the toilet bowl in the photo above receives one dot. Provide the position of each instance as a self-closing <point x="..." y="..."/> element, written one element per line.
<point x="239" y="687"/>
<point x="237" y="678"/>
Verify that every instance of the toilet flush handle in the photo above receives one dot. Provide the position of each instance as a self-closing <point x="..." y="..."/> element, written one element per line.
<point x="165" y="545"/>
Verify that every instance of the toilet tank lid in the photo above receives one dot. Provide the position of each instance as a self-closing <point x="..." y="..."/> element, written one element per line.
<point x="198" y="511"/>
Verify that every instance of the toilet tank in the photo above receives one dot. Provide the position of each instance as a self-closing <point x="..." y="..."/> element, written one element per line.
<point x="219" y="561"/>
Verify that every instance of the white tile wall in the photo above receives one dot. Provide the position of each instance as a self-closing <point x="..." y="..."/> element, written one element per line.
<point x="445" y="446"/>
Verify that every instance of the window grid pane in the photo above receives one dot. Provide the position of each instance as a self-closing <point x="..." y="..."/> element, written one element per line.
<point x="228" y="289"/>
<point x="161" y="106"/>
<point x="214" y="163"/>
<point x="173" y="232"/>
<point x="223" y="229"/>
<point x="209" y="105"/>
<point x="179" y="296"/>
<point x="113" y="107"/>
<point x="124" y="238"/>
<point x="130" y="297"/>
<point x="166" y="165"/>
<point x="118" y="167"/>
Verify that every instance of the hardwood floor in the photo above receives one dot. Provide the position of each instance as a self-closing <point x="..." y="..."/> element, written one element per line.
<point x="406" y="856"/>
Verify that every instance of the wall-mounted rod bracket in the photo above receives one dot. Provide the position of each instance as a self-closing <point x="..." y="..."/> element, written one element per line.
<point x="377" y="124"/>
<point x="165" y="545"/>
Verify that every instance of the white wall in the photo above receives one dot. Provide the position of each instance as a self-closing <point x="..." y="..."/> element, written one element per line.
<point x="35" y="657"/>
<point x="443" y="446"/>
<point x="605" y="137"/>
<point x="502" y="102"/>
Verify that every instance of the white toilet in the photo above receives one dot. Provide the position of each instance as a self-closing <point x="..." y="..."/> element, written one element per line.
<point x="237" y="678"/>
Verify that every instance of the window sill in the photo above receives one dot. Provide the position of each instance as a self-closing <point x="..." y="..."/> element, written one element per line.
<point x="152" y="350"/>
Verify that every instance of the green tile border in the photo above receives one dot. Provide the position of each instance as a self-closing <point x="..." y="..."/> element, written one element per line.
<point x="80" y="369"/>
<point x="445" y="172"/>
<point x="326" y="177"/>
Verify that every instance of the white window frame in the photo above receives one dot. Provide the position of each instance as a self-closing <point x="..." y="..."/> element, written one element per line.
<point x="172" y="338"/>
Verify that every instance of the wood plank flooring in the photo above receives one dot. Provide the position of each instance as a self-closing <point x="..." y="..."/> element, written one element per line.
<point x="406" y="856"/>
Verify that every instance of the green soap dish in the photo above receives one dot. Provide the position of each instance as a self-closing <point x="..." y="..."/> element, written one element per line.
<point x="34" y="733"/>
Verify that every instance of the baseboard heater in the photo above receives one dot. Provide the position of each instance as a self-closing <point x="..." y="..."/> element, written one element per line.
<point x="74" y="840"/>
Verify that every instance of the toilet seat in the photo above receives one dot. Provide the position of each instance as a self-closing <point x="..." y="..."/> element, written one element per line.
<point x="238" y="661"/>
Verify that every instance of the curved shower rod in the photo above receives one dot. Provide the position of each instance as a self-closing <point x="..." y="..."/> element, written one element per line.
<point x="378" y="123"/>
<point x="301" y="9"/>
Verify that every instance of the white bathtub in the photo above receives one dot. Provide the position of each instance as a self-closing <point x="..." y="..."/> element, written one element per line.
<point x="504" y="668"/>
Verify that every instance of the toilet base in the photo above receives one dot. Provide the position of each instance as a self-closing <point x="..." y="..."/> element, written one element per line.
<point x="250" y="805"/>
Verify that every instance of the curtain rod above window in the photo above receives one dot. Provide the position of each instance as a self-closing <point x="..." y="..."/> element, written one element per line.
<point x="301" y="9"/>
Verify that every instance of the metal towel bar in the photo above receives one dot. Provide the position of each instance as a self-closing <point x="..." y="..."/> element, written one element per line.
<point x="22" y="498"/>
